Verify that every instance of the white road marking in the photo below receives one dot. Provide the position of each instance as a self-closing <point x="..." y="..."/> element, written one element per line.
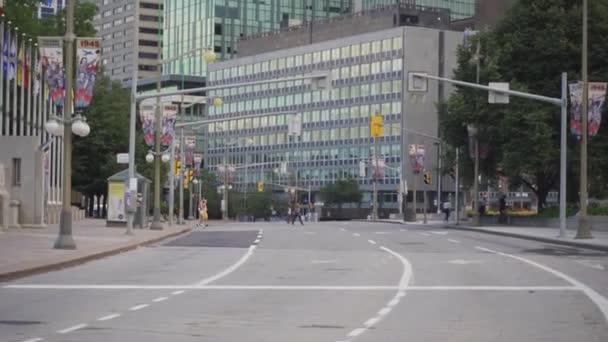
<point x="356" y="332"/>
<point x="37" y="339"/>
<point x="109" y="317"/>
<point x="70" y="329"/>
<point x="424" y="234"/>
<point x="598" y="299"/>
<point x="463" y="262"/>
<point x="139" y="307"/>
<point x="382" y="233"/>
<point x="372" y="321"/>
<point x="372" y="242"/>
<point x="342" y="229"/>
<point x="296" y="288"/>
<point x="384" y="311"/>
<point x="393" y="302"/>
<point x="332" y="261"/>
<point x="256" y="241"/>
<point x="356" y="234"/>
<point x="439" y="232"/>
<point x="160" y="299"/>
<point x="591" y="264"/>
<point x="453" y="241"/>
<point x="228" y="270"/>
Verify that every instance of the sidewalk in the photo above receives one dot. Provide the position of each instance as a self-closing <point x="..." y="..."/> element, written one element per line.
<point x="25" y="252"/>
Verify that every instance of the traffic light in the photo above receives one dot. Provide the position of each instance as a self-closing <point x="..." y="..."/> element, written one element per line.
<point x="177" y="165"/>
<point x="190" y="175"/>
<point x="453" y="173"/>
<point x="427" y="178"/>
<point x="260" y="186"/>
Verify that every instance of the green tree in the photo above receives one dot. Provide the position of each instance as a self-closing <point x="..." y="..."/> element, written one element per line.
<point x="341" y="192"/>
<point x="529" y="48"/>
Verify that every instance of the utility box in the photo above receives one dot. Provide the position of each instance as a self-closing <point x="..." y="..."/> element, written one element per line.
<point x="119" y="200"/>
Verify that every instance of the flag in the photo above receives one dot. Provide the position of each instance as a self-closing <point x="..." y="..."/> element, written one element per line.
<point x="12" y="55"/>
<point x="26" y="68"/>
<point x="596" y="98"/>
<point x="88" y="55"/>
<point x="5" y="51"/>
<point x="51" y="56"/>
<point x="37" y="75"/>
<point x="20" y="67"/>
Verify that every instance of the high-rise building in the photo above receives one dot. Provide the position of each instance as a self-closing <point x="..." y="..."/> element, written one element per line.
<point x="369" y="75"/>
<point x="115" y="23"/>
<point x="219" y="24"/>
<point x="49" y="8"/>
<point x="459" y="9"/>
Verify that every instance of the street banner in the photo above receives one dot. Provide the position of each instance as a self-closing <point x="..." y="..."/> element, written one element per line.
<point x="88" y="55"/>
<point x="168" y="124"/>
<point x="597" y="97"/>
<point x="190" y="145"/>
<point x="147" y="123"/>
<point x="198" y="158"/>
<point x="417" y="154"/>
<point x="51" y="53"/>
<point x="378" y="166"/>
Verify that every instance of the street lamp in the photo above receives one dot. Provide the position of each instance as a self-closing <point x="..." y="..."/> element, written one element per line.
<point x="473" y="133"/>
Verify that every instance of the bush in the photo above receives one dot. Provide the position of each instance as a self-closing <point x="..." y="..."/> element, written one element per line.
<point x="598" y="211"/>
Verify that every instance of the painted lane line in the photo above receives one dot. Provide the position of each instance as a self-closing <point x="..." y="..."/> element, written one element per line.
<point x="139" y="307"/>
<point x="356" y="332"/>
<point x="109" y="317"/>
<point x="600" y="301"/>
<point x="371" y="322"/>
<point x="453" y="241"/>
<point x="256" y="241"/>
<point x="384" y="311"/>
<point x="160" y="299"/>
<point x="70" y="329"/>
<point x="372" y="242"/>
<point x="403" y="283"/>
<point x="382" y="233"/>
<point x="175" y="293"/>
<point x="356" y="234"/>
<point x="493" y="288"/>
<point x="228" y="270"/>
<point x="37" y="339"/>
<point x="424" y="234"/>
<point x="393" y="302"/>
<point x="439" y="232"/>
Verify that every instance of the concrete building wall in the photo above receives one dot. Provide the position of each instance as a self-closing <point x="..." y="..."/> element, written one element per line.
<point x="115" y="24"/>
<point x="29" y="190"/>
<point x="344" y="26"/>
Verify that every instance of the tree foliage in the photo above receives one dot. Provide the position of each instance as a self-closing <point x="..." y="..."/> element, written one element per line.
<point x="22" y="14"/>
<point x="341" y="192"/>
<point x="530" y="48"/>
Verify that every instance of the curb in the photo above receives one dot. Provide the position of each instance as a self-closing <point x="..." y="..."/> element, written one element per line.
<point x="592" y="246"/>
<point x="84" y="259"/>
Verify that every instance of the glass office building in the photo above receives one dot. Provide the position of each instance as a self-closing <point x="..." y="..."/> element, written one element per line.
<point x="368" y="76"/>
<point x="459" y="9"/>
<point x="219" y="24"/>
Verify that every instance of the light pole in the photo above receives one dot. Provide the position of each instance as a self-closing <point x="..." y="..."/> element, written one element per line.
<point x="584" y="226"/>
<point x="473" y="133"/>
<point x="132" y="123"/>
<point x="65" y="239"/>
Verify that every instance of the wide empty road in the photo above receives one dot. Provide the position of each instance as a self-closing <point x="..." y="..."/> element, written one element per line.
<point x="337" y="281"/>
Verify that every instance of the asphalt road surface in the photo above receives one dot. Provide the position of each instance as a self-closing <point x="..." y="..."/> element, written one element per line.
<point x="338" y="281"/>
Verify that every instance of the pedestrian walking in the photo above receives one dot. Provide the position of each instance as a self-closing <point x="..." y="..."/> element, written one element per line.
<point x="447" y="208"/>
<point x="296" y="213"/>
<point x="202" y="210"/>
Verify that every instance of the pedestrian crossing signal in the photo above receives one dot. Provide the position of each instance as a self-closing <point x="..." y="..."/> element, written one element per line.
<point x="260" y="186"/>
<point x="427" y="178"/>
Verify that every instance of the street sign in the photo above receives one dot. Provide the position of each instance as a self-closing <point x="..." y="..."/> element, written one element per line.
<point x="496" y="97"/>
<point x="122" y="158"/>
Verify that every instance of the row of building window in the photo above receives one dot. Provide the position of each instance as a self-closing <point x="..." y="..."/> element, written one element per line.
<point x="306" y="98"/>
<point x="307" y="59"/>
<point x="324" y="115"/>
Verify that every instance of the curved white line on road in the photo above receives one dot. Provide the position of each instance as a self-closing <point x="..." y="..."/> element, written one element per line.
<point x="229" y="270"/>
<point x="404" y="281"/>
<point x="109" y="317"/>
<point x="34" y="339"/>
<point x="70" y="329"/>
<point x="598" y="299"/>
